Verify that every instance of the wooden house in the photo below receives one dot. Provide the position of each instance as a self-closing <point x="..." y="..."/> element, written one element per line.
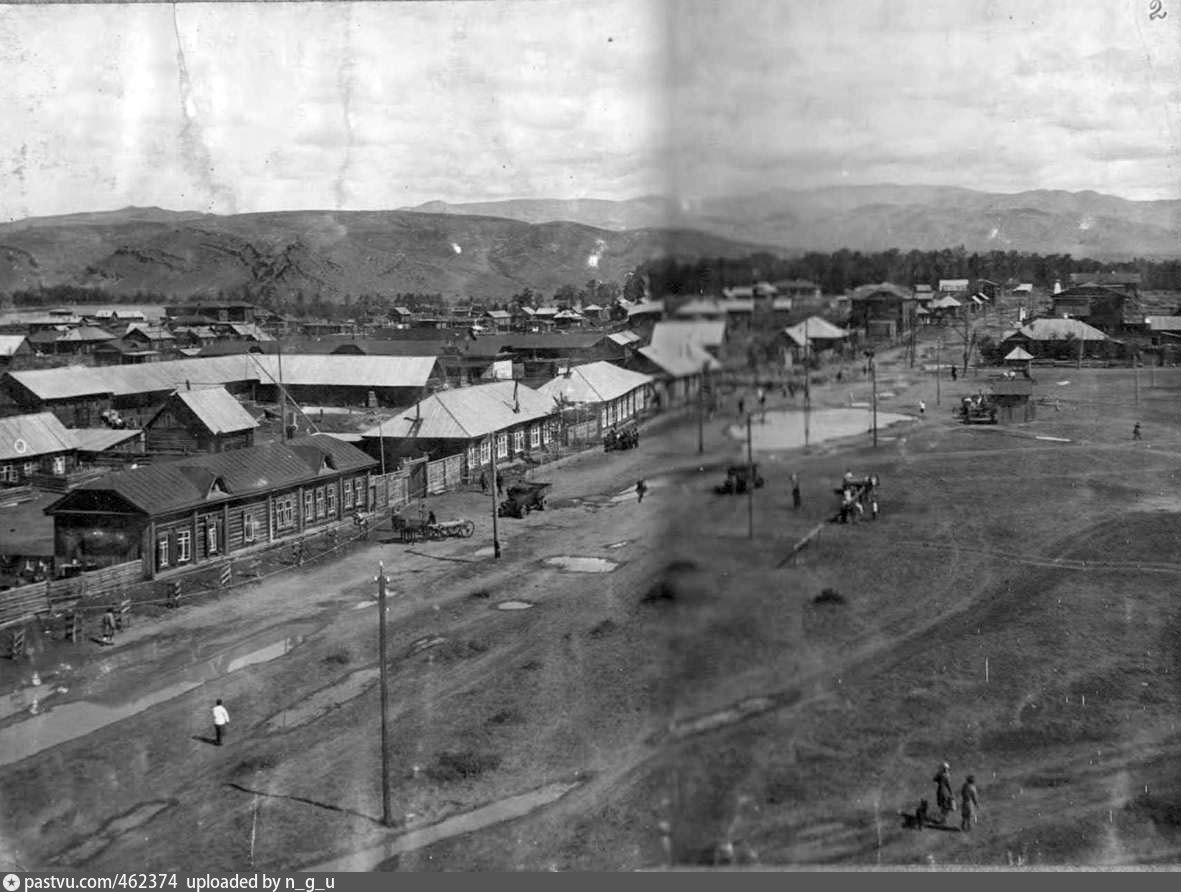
<point x="208" y="420"/>
<point x="34" y="444"/>
<point x="206" y="508"/>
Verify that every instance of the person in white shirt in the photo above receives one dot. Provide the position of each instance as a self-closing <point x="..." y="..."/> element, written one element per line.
<point x="221" y="718"/>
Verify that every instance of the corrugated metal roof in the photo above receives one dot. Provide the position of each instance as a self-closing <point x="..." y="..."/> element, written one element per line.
<point x="28" y="436"/>
<point x="216" y="409"/>
<point x="680" y="360"/>
<point x="155" y="377"/>
<point x="465" y="413"/>
<point x="99" y="439"/>
<point x="188" y="483"/>
<point x="814" y="327"/>
<point x="595" y="382"/>
<point x="669" y="335"/>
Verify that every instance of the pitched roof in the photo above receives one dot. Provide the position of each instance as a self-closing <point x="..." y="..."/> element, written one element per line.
<point x="702" y="307"/>
<point x="1105" y="278"/>
<point x="1023" y="288"/>
<point x="100" y="439"/>
<point x="498" y="343"/>
<point x="953" y="284"/>
<point x="1018" y="354"/>
<point x="215" y="408"/>
<point x="27" y="436"/>
<point x="595" y="382"/>
<point x="922" y="289"/>
<point x="669" y="335"/>
<point x="644" y="307"/>
<point x="465" y="413"/>
<point x="623" y="338"/>
<point x="9" y="344"/>
<point x="947" y="302"/>
<point x="864" y="292"/>
<point x="155" y="377"/>
<point x="815" y="328"/>
<point x="189" y="483"/>
<point x="679" y="360"/>
<point x="1060" y="329"/>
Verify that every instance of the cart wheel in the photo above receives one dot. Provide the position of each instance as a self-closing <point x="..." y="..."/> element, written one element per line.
<point x="468" y="530"/>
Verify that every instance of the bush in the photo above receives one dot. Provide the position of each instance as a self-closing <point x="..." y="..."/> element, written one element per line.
<point x="450" y="767"/>
<point x="829" y="596"/>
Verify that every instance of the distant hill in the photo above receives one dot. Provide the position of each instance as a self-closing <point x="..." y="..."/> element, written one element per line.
<point x="331" y="253"/>
<point x="874" y="218"/>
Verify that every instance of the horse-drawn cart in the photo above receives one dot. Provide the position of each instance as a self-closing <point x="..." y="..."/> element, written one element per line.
<point x="523" y="497"/>
<point x="412" y="529"/>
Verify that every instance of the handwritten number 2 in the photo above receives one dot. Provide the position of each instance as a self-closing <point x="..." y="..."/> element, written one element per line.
<point x="1155" y="10"/>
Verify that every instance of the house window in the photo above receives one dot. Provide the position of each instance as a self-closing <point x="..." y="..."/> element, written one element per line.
<point x="8" y="474"/>
<point x="603" y="420"/>
<point x="359" y="484"/>
<point x="30" y="468"/>
<point x="332" y="500"/>
<point x="348" y="494"/>
<point x="285" y="513"/>
<point x="184" y="546"/>
<point x="59" y="465"/>
<point x="535" y="436"/>
<point x="162" y="552"/>
<point x="248" y="527"/>
<point x="211" y="536"/>
<point x="546" y="432"/>
<point x="518" y="441"/>
<point x="502" y="445"/>
<point x="319" y="501"/>
<point x="485" y="452"/>
<point x="309" y="506"/>
<point x="473" y="456"/>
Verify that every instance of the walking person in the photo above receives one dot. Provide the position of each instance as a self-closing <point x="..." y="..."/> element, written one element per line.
<point x="944" y="798"/>
<point x="795" y="491"/>
<point x="641" y="488"/>
<point x="484" y="482"/>
<point x="953" y="373"/>
<point x="969" y="805"/>
<point x="1136" y="431"/>
<point x="109" y="626"/>
<point x="221" y="718"/>
<point x="922" y="409"/>
<point x="741" y="407"/>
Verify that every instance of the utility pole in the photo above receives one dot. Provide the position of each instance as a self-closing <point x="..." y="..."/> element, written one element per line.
<point x="750" y="481"/>
<point x="1136" y="375"/>
<point x="701" y="413"/>
<point x="494" y="489"/>
<point x="807" y="389"/>
<point x="873" y="377"/>
<point x="387" y="815"/>
<point x="282" y="394"/>
<point x="938" y="367"/>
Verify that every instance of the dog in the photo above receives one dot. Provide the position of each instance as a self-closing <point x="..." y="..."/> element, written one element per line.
<point x="919" y="819"/>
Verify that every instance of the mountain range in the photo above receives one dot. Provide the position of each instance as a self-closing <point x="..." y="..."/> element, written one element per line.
<point x="493" y="250"/>
<point x="876" y="218"/>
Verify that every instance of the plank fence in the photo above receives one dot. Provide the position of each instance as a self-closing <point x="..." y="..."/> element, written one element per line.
<point x="24" y="603"/>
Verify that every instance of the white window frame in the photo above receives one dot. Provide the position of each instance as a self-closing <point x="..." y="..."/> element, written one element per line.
<point x="184" y="546"/>
<point x="30" y="468"/>
<point x="547" y="432"/>
<point x="249" y="526"/>
<point x="59" y="465"/>
<point x="502" y="445"/>
<point x="309" y="506"/>
<point x="348" y="494"/>
<point x="485" y="452"/>
<point x="534" y="436"/>
<point x="162" y="551"/>
<point x="518" y="441"/>
<point x="360" y="500"/>
<point x="321" y="510"/>
<point x="8" y="474"/>
<point x="603" y="419"/>
<point x="211" y="536"/>
<point x="285" y="513"/>
<point x="331" y="500"/>
<point x="473" y="456"/>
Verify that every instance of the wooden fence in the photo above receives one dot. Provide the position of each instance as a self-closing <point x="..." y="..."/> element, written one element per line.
<point x="19" y="605"/>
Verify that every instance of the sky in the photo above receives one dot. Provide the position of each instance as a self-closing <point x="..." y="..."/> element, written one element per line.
<point x="231" y="108"/>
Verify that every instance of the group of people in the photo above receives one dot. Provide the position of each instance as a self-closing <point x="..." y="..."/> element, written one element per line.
<point x="857" y="494"/>
<point x="945" y="802"/>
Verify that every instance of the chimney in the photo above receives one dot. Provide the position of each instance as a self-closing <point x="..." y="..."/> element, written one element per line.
<point x="188" y="386"/>
<point x="516" y="402"/>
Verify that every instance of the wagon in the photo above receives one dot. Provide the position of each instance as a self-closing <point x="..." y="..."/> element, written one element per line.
<point x="739" y="479"/>
<point x="626" y="437"/>
<point x="413" y="529"/>
<point x="522" y="498"/>
<point x="458" y="529"/>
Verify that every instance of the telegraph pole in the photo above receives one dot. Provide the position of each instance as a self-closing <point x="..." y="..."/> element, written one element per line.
<point x="701" y="414"/>
<point x="494" y="489"/>
<point x="938" y="369"/>
<point x="873" y="377"/>
<point x="1136" y="375"/>
<point x="387" y="815"/>
<point x="807" y="388"/>
<point x="750" y="481"/>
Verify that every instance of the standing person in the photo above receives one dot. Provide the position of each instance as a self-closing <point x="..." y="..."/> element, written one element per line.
<point x="969" y="805"/>
<point x="741" y="406"/>
<point x="953" y="373"/>
<point x="109" y="626"/>
<point x="873" y="495"/>
<point x="762" y="398"/>
<point x="221" y="718"/>
<point x="922" y="409"/>
<point x="1136" y="431"/>
<point x="795" y="491"/>
<point x="944" y="798"/>
<point x="791" y="389"/>
<point x="641" y="488"/>
<point x="484" y="482"/>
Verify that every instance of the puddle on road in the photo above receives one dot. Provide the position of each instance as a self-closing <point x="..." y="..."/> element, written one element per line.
<point x="324" y="701"/>
<point x="581" y="564"/>
<point x="426" y="644"/>
<point x="497" y="812"/>
<point x="365" y="604"/>
<point x="28" y="699"/>
<point x="722" y="717"/>
<point x="59" y="724"/>
<point x="484" y="551"/>
<point x="617" y="544"/>
<point x="96" y="843"/>
<point x="514" y="605"/>
<point x="785" y="429"/>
